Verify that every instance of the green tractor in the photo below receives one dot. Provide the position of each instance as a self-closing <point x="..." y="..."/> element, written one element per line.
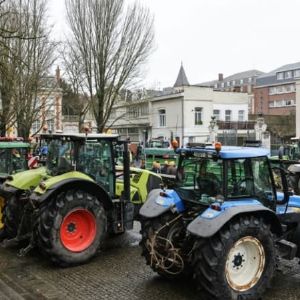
<point x="85" y="198"/>
<point x="13" y="159"/>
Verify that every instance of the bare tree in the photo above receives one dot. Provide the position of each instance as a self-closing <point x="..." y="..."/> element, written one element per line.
<point x="75" y="99"/>
<point x="112" y="41"/>
<point x="35" y="56"/>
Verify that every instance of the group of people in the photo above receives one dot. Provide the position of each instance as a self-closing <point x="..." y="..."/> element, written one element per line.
<point x="169" y="167"/>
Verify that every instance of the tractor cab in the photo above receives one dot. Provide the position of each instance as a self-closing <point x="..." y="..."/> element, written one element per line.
<point x="206" y="176"/>
<point x="13" y="156"/>
<point x="93" y="155"/>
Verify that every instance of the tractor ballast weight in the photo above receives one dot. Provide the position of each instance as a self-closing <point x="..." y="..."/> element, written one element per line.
<point x="224" y="222"/>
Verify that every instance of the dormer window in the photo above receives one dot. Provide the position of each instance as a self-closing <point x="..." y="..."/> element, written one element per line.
<point x="280" y="76"/>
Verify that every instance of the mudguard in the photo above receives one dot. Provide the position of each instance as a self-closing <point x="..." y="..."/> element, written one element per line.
<point x="69" y="183"/>
<point x="211" y="221"/>
<point x="26" y="179"/>
<point x="157" y="204"/>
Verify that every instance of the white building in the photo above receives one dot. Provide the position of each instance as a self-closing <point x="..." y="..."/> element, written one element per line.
<point x="183" y="112"/>
<point x="186" y="114"/>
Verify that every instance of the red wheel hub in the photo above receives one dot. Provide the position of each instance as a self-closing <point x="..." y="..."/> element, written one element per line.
<point x="78" y="230"/>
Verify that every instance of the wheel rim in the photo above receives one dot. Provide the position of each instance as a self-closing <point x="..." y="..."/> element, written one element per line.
<point x="78" y="230"/>
<point x="245" y="263"/>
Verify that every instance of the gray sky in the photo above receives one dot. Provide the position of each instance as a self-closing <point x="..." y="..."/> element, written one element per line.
<point x="215" y="36"/>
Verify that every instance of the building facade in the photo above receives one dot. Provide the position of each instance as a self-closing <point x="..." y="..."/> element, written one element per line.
<point x="275" y="92"/>
<point x="49" y="103"/>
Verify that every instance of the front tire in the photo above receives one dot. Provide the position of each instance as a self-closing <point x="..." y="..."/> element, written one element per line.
<point x="238" y="262"/>
<point x="71" y="227"/>
<point x="162" y="245"/>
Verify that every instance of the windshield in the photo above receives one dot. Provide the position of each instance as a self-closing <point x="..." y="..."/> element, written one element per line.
<point x="60" y="157"/>
<point x="249" y="177"/>
<point x="95" y="160"/>
<point x="13" y="160"/>
<point x="200" y="179"/>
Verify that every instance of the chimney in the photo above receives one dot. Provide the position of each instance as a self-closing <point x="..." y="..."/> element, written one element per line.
<point x="220" y="77"/>
<point x="57" y="74"/>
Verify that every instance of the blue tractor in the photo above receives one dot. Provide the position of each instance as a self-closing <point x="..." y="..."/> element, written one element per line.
<point x="224" y="222"/>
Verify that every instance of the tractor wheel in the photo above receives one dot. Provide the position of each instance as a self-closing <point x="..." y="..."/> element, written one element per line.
<point x="12" y="216"/>
<point x="2" y="231"/>
<point x="236" y="263"/>
<point x="162" y="245"/>
<point x="70" y="227"/>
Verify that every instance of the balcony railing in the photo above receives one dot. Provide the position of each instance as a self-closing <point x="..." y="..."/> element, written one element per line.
<point x="241" y="125"/>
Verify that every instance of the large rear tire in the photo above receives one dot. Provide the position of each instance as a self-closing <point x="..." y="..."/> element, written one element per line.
<point x="162" y="246"/>
<point x="2" y="231"/>
<point x="70" y="227"/>
<point x="236" y="263"/>
<point x="12" y="216"/>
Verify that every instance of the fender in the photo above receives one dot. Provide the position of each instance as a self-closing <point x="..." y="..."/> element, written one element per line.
<point x="157" y="204"/>
<point x="79" y="183"/>
<point x="26" y="179"/>
<point x="211" y="221"/>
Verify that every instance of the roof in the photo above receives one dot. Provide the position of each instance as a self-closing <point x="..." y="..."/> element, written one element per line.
<point x="283" y="68"/>
<point x="10" y="145"/>
<point x="270" y="78"/>
<point x="228" y="152"/>
<point x="75" y="136"/>
<point x="181" y="78"/>
<point x="236" y="76"/>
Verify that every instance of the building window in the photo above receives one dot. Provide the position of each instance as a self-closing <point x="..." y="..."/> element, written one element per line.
<point x="144" y="110"/>
<point x="242" y="81"/>
<point x="133" y="112"/>
<point x="216" y="86"/>
<point x="297" y="73"/>
<point x="282" y="103"/>
<point x="36" y="126"/>
<point x="217" y="114"/>
<point x="162" y="118"/>
<point x="279" y="76"/>
<point x="50" y="124"/>
<point x="241" y="116"/>
<point x="250" y="79"/>
<point x="227" y="115"/>
<point x="288" y="74"/>
<point x="228" y="83"/>
<point x="198" y="115"/>
<point x="233" y="82"/>
<point x="222" y="84"/>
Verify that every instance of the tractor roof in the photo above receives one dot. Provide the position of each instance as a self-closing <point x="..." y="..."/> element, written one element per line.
<point x="228" y="152"/>
<point x="79" y="136"/>
<point x="14" y="144"/>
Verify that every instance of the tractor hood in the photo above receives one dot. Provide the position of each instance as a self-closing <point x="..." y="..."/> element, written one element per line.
<point x="53" y="181"/>
<point x="26" y="179"/>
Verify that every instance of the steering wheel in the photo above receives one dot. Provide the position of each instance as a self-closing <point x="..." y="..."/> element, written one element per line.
<point x="241" y="184"/>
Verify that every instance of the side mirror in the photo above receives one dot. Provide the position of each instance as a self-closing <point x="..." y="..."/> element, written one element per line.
<point x="280" y="152"/>
<point x="284" y="183"/>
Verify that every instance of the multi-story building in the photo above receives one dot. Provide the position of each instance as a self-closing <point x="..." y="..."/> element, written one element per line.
<point x="49" y="103"/>
<point x="243" y="82"/>
<point x="183" y="112"/>
<point x="275" y="92"/>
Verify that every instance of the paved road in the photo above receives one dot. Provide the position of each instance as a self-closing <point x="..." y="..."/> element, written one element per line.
<point x="117" y="272"/>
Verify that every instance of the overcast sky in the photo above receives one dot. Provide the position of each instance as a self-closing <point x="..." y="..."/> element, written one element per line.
<point x="214" y="36"/>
